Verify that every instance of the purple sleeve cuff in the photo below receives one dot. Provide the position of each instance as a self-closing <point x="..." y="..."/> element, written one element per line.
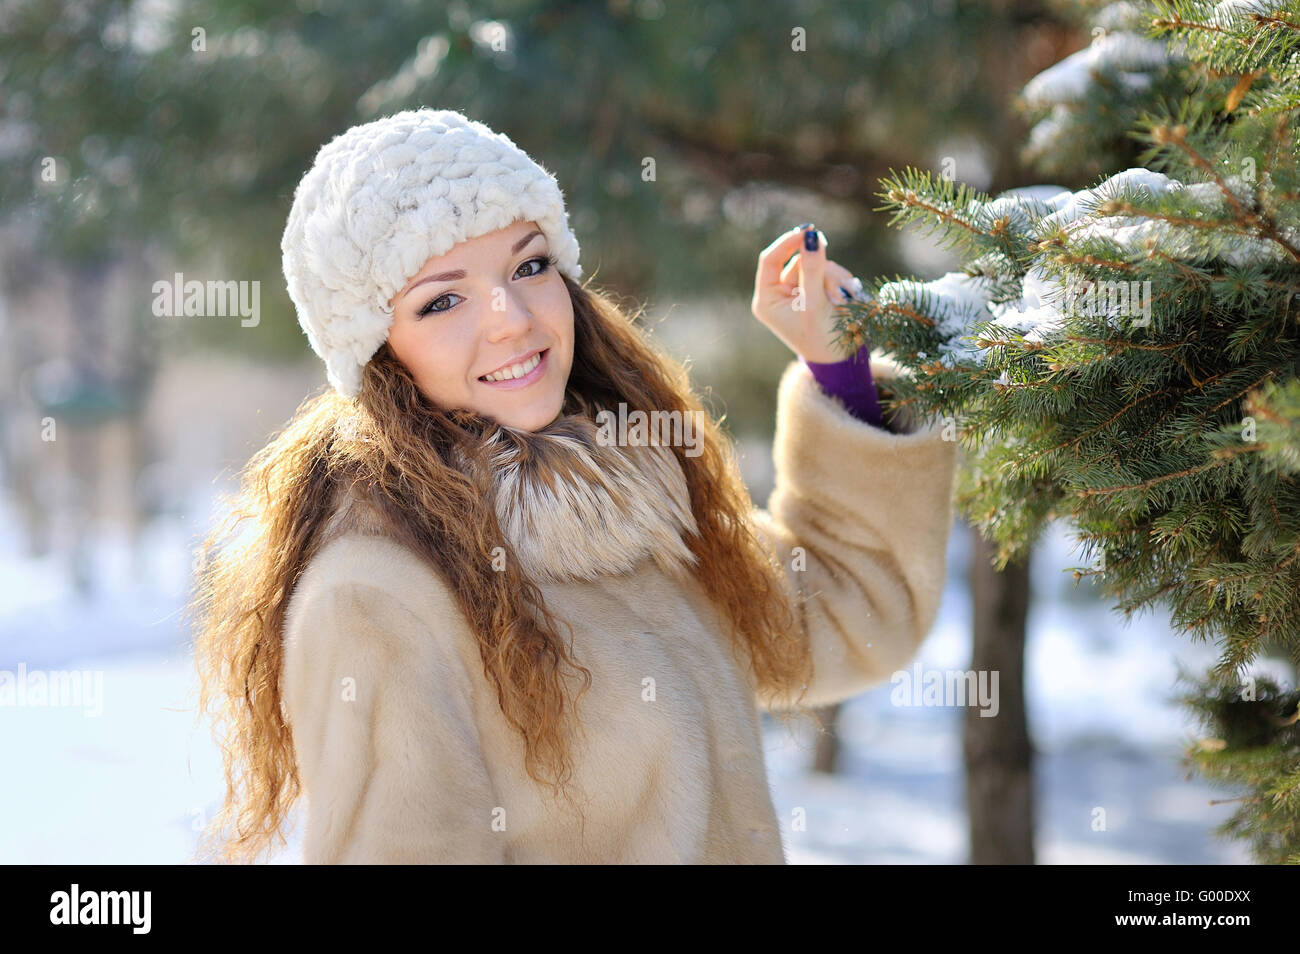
<point x="850" y="381"/>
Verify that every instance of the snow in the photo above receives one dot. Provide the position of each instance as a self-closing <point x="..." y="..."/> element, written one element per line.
<point x="1119" y="52"/>
<point x="134" y="784"/>
<point x="1070" y="207"/>
<point x="1116" y="53"/>
<point x="1132" y="233"/>
<point x="1229" y="13"/>
<point x="130" y="787"/>
<point x="1037" y="313"/>
<point x="1045" y="133"/>
<point x="958" y="301"/>
<point x="1021" y="207"/>
<point x="1124" y="16"/>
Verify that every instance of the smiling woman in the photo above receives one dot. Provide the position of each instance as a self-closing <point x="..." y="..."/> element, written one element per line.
<point x="488" y="328"/>
<point x="466" y="624"/>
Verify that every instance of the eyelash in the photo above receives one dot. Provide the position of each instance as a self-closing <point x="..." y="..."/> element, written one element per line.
<point x="548" y="262"/>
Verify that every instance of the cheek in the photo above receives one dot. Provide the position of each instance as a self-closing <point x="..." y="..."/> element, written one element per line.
<point x="437" y="360"/>
<point x="556" y="308"/>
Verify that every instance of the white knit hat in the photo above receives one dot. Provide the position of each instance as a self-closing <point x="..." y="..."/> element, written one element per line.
<point x="382" y="199"/>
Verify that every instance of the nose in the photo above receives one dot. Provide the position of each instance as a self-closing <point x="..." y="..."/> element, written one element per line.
<point x="508" y="317"/>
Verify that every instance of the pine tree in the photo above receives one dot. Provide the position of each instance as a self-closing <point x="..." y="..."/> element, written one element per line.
<point x="1125" y="356"/>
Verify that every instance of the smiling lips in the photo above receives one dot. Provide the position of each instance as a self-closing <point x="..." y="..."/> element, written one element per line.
<point x="519" y="374"/>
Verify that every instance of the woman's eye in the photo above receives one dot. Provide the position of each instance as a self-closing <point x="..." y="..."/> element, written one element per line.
<point x="542" y="262"/>
<point x="432" y="306"/>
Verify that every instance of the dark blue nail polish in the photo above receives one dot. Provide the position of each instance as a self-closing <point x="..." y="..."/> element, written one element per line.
<point x="810" y="240"/>
<point x="806" y="225"/>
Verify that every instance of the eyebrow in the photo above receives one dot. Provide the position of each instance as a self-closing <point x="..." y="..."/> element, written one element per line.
<point x="460" y="272"/>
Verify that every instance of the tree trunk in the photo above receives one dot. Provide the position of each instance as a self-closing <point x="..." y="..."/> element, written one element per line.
<point x="827" y="754"/>
<point x="999" y="756"/>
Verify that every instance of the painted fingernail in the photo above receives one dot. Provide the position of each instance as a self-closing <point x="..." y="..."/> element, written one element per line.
<point x="845" y="292"/>
<point x="806" y="225"/>
<point x="810" y="240"/>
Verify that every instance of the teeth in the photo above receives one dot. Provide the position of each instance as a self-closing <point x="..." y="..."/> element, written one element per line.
<point x="515" y="370"/>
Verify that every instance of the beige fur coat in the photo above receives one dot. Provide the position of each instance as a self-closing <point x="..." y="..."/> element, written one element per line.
<point x="403" y="752"/>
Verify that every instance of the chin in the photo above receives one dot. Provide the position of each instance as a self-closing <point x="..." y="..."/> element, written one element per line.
<point x="531" y="419"/>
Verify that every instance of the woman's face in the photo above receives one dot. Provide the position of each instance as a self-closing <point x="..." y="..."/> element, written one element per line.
<point x="489" y="306"/>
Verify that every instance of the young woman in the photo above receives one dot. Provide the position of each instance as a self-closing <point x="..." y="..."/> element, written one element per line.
<point x="471" y="618"/>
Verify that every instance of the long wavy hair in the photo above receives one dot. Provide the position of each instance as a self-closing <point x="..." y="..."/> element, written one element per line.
<point x="395" y="445"/>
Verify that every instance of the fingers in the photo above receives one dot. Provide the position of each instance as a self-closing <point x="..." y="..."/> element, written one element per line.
<point x="789" y="270"/>
<point x="843" y="288"/>
<point x="787" y="273"/>
<point x="774" y="256"/>
<point x="837" y="271"/>
<point x="840" y="280"/>
<point x="812" y="265"/>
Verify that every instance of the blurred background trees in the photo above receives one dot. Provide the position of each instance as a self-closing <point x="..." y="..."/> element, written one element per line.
<point x="685" y="135"/>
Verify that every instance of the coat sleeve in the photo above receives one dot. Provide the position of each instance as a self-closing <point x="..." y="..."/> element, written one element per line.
<point x="386" y="742"/>
<point x="859" y="519"/>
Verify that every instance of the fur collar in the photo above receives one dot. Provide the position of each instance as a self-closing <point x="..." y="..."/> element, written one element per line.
<point x="571" y="507"/>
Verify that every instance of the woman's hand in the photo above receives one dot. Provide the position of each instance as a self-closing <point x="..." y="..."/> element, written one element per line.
<point x="797" y="301"/>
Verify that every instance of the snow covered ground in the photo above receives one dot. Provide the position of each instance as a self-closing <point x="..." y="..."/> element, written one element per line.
<point x="134" y="783"/>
